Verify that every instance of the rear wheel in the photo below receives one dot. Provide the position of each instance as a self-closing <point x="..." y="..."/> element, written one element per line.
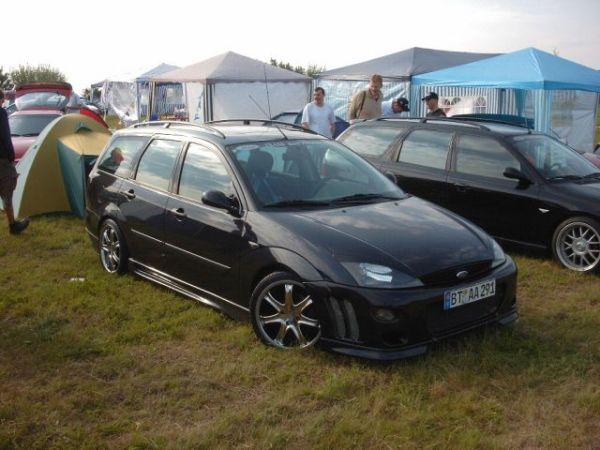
<point x="283" y="312"/>
<point x="576" y="244"/>
<point x="112" y="247"/>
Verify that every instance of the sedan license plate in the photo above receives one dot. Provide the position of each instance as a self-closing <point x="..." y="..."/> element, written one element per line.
<point x="459" y="297"/>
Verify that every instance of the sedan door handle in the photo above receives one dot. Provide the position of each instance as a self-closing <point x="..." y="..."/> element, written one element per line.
<point x="130" y="194"/>
<point x="179" y="213"/>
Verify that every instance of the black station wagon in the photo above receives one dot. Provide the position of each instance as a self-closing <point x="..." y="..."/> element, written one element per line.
<point x="518" y="185"/>
<point x="295" y="232"/>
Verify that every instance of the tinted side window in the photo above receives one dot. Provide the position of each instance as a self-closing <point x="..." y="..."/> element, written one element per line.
<point x="119" y="157"/>
<point x="371" y="141"/>
<point x="203" y="171"/>
<point x="156" y="164"/>
<point x="484" y="157"/>
<point x="426" y="148"/>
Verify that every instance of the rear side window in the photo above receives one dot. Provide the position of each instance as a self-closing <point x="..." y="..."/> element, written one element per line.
<point x="156" y="164"/>
<point x="371" y="141"/>
<point x="484" y="157"/>
<point x="426" y="148"/>
<point x="121" y="153"/>
<point x="203" y="171"/>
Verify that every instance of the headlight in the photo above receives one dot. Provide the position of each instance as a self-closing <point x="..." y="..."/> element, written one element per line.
<point x="499" y="256"/>
<point x="375" y="275"/>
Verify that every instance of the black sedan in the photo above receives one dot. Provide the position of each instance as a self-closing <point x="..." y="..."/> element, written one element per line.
<point x="518" y="185"/>
<point x="296" y="233"/>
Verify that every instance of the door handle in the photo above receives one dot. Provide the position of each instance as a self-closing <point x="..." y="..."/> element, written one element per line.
<point x="179" y="213"/>
<point x="130" y="194"/>
<point x="461" y="188"/>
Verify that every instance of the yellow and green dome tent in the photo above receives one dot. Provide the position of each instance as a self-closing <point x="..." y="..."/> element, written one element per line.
<point x="52" y="172"/>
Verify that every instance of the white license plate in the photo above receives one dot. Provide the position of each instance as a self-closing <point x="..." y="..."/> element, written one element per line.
<point x="459" y="297"/>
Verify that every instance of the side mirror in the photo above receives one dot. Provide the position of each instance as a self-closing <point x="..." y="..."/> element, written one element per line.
<point x="220" y="200"/>
<point x="390" y="176"/>
<point x="516" y="174"/>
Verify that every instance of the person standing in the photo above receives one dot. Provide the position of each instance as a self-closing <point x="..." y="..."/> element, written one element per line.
<point x="366" y="103"/>
<point x="395" y="108"/>
<point x="318" y="116"/>
<point x="8" y="173"/>
<point x="432" y="105"/>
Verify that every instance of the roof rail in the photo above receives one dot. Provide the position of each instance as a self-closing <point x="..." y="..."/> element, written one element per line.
<point x="264" y="122"/>
<point x="498" y="121"/>
<point x="169" y="123"/>
<point x="454" y="121"/>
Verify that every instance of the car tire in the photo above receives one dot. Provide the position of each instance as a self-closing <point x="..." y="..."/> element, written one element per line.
<point x="283" y="313"/>
<point x="576" y="244"/>
<point x="112" y="247"/>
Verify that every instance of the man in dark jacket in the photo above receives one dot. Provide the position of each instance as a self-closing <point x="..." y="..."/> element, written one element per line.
<point x="432" y="105"/>
<point x="8" y="173"/>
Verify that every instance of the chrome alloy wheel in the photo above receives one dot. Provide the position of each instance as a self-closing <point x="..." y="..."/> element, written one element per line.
<point x="578" y="246"/>
<point x="110" y="249"/>
<point x="283" y="317"/>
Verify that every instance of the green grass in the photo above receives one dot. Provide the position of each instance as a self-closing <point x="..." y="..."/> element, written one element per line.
<point x="116" y="362"/>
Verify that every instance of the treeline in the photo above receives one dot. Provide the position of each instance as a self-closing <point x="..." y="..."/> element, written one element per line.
<point x="26" y="73"/>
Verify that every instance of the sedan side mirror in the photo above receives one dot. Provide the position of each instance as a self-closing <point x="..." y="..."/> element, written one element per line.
<point x="221" y="200"/>
<point x="392" y="177"/>
<point x="516" y="174"/>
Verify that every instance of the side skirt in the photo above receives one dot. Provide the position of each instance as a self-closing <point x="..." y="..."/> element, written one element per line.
<point x="221" y="304"/>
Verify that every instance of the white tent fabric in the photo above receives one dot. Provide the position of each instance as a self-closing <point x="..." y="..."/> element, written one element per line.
<point x="397" y="69"/>
<point x="235" y="86"/>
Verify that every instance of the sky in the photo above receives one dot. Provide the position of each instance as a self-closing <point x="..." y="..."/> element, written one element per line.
<point x="89" y="41"/>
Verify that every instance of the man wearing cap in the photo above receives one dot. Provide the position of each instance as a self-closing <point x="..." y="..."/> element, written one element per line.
<point x="395" y="108"/>
<point x="366" y="104"/>
<point x="432" y="105"/>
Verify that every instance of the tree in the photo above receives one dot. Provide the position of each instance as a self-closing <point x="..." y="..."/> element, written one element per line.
<point x="29" y="74"/>
<point x="310" y="71"/>
<point x="5" y="83"/>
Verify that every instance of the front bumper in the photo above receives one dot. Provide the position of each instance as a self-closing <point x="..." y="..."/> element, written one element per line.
<point x="349" y="326"/>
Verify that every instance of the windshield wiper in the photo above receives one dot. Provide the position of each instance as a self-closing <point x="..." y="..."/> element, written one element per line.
<point x="593" y="175"/>
<point x="565" y="177"/>
<point x="296" y="202"/>
<point x="363" y="197"/>
<point x="30" y="134"/>
<point x="15" y="135"/>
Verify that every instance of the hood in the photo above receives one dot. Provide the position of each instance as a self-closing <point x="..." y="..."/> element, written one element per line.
<point x="588" y="191"/>
<point x="418" y="236"/>
<point x="21" y="145"/>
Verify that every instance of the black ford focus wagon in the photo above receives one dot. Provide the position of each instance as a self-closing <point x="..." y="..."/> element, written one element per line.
<point x="295" y="232"/>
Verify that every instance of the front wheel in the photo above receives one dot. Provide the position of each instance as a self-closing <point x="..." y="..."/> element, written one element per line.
<point x="283" y="313"/>
<point x="576" y="244"/>
<point x="112" y="247"/>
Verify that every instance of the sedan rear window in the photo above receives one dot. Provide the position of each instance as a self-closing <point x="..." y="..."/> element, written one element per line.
<point x="371" y="141"/>
<point x="29" y="124"/>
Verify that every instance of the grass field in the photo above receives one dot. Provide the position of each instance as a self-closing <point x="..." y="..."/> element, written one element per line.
<point x="116" y="362"/>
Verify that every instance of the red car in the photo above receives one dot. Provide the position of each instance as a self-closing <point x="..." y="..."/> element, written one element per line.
<point x="38" y="104"/>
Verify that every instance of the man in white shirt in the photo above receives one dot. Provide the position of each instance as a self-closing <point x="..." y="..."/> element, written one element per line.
<point x="395" y="108"/>
<point x="318" y="116"/>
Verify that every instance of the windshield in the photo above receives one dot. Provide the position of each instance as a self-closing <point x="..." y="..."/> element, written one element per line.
<point x="52" y="100"/>
<point x="29" y="125"/>
<point x="310" y="173"/>
<point x="552" y="159"/>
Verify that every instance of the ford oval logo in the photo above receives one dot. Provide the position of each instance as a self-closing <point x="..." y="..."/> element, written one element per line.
<point x="462" y="274"/>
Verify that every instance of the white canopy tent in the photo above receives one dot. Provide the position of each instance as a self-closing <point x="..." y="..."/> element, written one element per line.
<point x="118" y="96"/>
<point x="233" y="86"/>
<point x="397" y="70"/>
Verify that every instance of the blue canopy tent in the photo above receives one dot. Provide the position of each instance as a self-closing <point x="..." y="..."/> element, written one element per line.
<point x="560" y="95"/>
<point x="168" y="96"/>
